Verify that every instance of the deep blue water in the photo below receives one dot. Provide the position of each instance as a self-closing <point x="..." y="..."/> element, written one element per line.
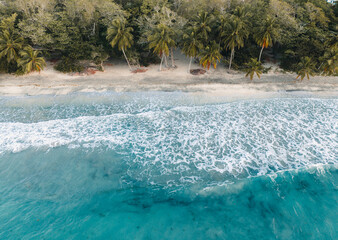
<point x="168" y="166"/>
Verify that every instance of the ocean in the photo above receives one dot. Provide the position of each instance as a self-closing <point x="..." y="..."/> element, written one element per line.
<point x="168" y="165"/>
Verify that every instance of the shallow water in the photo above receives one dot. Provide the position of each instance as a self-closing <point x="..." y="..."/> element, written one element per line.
<point x="168" y="166"/>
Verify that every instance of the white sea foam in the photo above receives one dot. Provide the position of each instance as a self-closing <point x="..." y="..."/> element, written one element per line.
<point x="185" y="144"/>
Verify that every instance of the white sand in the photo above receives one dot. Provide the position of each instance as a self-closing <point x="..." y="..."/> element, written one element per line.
<point x="118" y="78"/>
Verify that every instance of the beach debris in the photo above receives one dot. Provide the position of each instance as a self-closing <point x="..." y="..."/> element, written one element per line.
<point x="140" y="70"/>
<point x="90" y="71"/>
<point x="86" y="72"/>
<point x="198" y="71"/>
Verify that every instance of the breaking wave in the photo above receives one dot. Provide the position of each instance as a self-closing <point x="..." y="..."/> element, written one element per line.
<point x="191" y="143"/>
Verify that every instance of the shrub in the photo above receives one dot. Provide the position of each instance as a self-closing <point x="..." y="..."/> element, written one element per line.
<point x="67" y="65"/>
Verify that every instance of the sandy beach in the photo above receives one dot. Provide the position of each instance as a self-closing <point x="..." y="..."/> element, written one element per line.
<point x="117" y="77"/>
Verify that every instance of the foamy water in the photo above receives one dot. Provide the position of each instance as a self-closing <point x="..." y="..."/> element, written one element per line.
<point x="161" y="146"/>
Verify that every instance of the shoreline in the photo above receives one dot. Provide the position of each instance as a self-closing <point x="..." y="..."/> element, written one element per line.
<point x="118" y="78"/>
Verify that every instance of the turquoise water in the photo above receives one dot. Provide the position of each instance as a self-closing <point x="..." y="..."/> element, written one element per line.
<point x="168" y="166"/>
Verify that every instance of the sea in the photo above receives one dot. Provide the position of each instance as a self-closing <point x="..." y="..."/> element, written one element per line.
<point x="168" y="165"/>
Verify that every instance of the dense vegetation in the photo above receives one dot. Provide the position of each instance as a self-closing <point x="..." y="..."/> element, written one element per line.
<point x="300" y="34"/>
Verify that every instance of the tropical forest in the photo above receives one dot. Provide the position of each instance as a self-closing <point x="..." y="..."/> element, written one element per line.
<point x="301" y="35"/>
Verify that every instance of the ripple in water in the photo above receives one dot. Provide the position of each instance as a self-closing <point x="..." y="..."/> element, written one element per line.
<point x="96" y="167"/>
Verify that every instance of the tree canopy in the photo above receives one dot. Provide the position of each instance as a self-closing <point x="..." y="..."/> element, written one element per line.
<point x="147" y="31"/>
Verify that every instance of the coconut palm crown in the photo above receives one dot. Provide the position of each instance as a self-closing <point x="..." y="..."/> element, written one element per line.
<point x="305" y="68"/>
<point x="203" y="25"/>
<point x="121" y="36"/>
<point x="191" y="45"/>
<point x="265" y="34"/>
<point x="161" y="40"/>
<point x="30" y="60"/>
<point x="236" y="32"/>
<point x="330" y="64"/>
<point x="10" y="45"/>
<point x="210" y="55"/>
<point x="253" y="67"/>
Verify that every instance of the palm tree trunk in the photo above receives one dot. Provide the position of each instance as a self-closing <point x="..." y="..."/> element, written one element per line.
<point x="231" y="57"/>
<point x="161" y="62"/>
<point x="190" y="65"/>
<point x="172" y="58"/>
<point x="94" y="28"/>
<point x="165" y="61"/>
<point x="260" y="55"/>
<point x="126" y="59"/>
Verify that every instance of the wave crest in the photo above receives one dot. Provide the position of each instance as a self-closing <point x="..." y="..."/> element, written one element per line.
<point x="193" y="143"/>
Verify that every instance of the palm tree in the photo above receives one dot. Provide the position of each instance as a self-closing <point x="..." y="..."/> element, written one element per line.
<point x="210" y="55"/>
<point x="305" y="68"/>
<point x="330" y="64"/>
<point x="30" y="60"/>
<point x="237" y="33"/>
<point x="203" y="24"/>
<point x="222" y="27"/>
<point x="121" y="35"/>
<point x="161" y="40"/>
<point x="254" y="66"/>
<point x="10" y="45"/>
<point x="265" y="34"/>
<point x="191" y="46"/>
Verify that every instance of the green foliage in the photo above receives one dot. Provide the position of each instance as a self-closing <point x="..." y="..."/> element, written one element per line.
<point x="120" y="35"/>
<point x="315" y="15"/>
<point x="210" y="55"/>
<point x="161" y="39"/>
<point x="265" y="34"/>
<point x="75" y="30"/>
<point x="236" y="34"/>
<point x="10" y="41"/>
<point x="330" y="61"/>
<point x="10" y="45"/>
<point x="253" y="67"/>
<point x="14" y="57"/>
<point x="31" y="60"/>
<point x="305" y="68"/>
<point x="68" y="65"/>
<point x="191" y="43"/>
<point x="98" y="56"/>
<point x="8" y="24"/>
<point x="202" y="25"/>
